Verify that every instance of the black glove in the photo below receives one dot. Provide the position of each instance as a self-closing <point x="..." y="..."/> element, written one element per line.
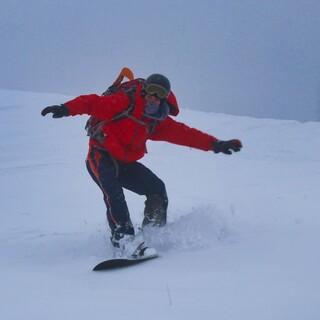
<point x="57" y="111"/>
<point x="226" y="146"/>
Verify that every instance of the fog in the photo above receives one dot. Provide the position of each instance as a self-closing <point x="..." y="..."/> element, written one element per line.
<point x="255" y="58"/>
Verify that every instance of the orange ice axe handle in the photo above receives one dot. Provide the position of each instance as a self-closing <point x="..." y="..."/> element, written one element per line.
<point x="124" y="73"/>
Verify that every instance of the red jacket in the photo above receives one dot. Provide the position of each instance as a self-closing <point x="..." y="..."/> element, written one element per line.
<point x="126" y="139"/>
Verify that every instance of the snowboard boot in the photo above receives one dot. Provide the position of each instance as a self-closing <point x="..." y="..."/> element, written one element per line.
<point x="121" y="235"/>
<point x="143" y="251"/>
<point x="127" y="245"/>
<point x="155" y="212"/>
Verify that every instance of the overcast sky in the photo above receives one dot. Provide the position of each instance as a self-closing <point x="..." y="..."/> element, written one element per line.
<point x="249" y="57"/>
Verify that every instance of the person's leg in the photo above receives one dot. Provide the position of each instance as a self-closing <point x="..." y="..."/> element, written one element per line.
<point x="104" y="172"/>
<point x="141" y="180"/>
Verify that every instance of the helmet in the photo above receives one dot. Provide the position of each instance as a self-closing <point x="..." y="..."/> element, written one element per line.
<point x="158" y="85"/>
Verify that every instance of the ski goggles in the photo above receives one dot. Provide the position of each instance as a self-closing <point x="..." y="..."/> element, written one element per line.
<point x="156" y="90"/>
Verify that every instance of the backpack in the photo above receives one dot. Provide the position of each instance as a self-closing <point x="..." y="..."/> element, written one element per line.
<point x="94" y="126"/>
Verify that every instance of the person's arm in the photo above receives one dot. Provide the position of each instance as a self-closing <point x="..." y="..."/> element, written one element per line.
<point x="178" y="133"/>
<point x="181" y="134"/>
<point x="101" y="107"/>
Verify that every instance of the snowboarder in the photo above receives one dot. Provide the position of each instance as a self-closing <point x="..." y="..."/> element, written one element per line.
<point x="122" y="120"/>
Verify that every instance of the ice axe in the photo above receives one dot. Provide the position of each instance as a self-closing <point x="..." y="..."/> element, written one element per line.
<point x="124" y="73"/>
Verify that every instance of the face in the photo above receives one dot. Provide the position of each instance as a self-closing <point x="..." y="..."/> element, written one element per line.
<point x="151" y="99"/>
<point x="155" y="108"/>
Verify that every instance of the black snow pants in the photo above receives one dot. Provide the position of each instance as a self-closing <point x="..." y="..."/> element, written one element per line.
<point x="112" y="176"/>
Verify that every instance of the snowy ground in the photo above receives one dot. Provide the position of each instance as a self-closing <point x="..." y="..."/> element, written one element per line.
<point x="241" y="242"/>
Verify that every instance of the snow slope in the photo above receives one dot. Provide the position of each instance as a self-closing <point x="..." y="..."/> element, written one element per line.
<point x="241" y="242"/>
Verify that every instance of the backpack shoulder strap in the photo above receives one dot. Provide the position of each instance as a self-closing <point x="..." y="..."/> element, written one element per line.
<point x="94" y="126"/>
<point x="132" y="100"/>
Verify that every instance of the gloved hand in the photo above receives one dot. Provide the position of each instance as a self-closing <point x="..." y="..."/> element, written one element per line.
<point x="57" y="111"/>
<point x="226" y="146"/>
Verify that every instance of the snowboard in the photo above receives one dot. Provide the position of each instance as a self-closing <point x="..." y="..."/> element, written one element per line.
<point x="117" y="263"/>
<point x="139" y="255"/>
